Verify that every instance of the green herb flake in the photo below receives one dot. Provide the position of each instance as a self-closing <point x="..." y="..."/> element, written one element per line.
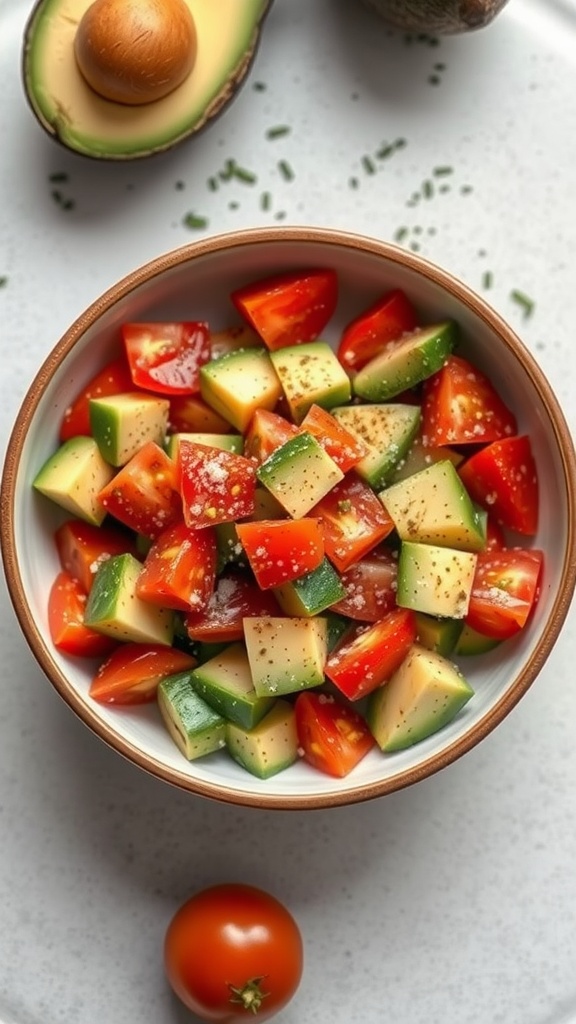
<point x="3" y="281"/>
<point x="353" y="182"/>
<point x="487" y="279"/>
<point x="385" y="151"/>
<point x="278" y="131"/>
<point x="280" y="215"/>
<point x="58" y="177"/>
<point x="286" y="170"/>
<point x="427" y="189"/>
<point x="401" y="234"/>
<point x="524" y="301"/>
<point x="213" y="183"/>
<point x="259" y="86"/>
<point x="243" y="174"/>
<point x="466" y="190"/>
<point x="345" y="505"/>
<point x="194" y="221"/>
<point x="233" y="204"/>
<point x="400" y="143"/>
<point x="368" y="164"/>
<point x="434" y="79"/>
<point x="442" y="170"/>
<point x="265" y="201"/>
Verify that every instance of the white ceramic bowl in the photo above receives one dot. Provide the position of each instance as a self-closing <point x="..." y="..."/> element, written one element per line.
<point x="195" y="282"/>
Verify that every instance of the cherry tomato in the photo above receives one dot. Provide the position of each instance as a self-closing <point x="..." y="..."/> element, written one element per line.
<point x="461" y="406"/>
<point x="166" y="357"/>
<point x="504" y="592"/>
<point x="66" y="605"/>
<point x="366" y="336"/>
<point x="289" y="308"/>
<point x="233" y="952"/>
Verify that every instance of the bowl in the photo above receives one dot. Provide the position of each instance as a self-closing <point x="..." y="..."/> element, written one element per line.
<point x="195" y="282"/>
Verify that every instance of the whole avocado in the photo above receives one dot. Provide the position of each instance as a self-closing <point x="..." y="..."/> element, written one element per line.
<point x="438" y="17"/>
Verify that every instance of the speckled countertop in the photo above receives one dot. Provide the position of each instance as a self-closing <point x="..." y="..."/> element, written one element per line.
<point x="453" y="902"/>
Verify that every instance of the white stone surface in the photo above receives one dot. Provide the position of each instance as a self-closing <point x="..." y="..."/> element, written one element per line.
<point x="453" y="901"/>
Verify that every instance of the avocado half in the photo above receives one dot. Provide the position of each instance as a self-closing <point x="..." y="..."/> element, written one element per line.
<point x="437" y="17"/>
<point x="228" y="32"/>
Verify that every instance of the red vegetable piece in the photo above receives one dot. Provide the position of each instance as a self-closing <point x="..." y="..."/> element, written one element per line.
<point x="190" y="414"/>
<point x="82" y="547"/>
<point x="166" y="357"/>
<point x="367" y="335"/>
<point x="503" y="478"/>
<point x="345" y="448"/>
<point x="353" y="521"/>
<point x="114" y="379"/>
<point x="332" y="736"/>
<point x="370" y="587"/>
<point x="504" y="591"/>
<point x="368" y="658"/>
<point x="66" y="607"/>
<point x="179" y="570"/>
<point x="133" y="671"/>
<point x="267" y="432"/>
<point x="143" y="494"/>
<point x="236" y="597"/>
<point x="291" y="308"/>
<point x="217" y="486"/>
<point x="461" y="406"/>
<point x="280" y="550"/>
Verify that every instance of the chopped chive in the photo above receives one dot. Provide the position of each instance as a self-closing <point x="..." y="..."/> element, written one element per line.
<point x="193" y="220"/>
<point x="417" y="230"/>
<point x="368" y="164"/>
<point x="243" y="174"/>
<point x="400" y="143"/>
<point x="265" y="201"/>
<point x="487" y="279"/>
<point x="233" y="204"/>
<point x="442" y="171"/>
<point x="58" y="177"/>
<point x="227" y="171"/>
<point x="434" y="79"/>
<point x="427" y="189"/>
<point x="523" y="300"/>
<point x="285" y="170"/>
<point x="179" y="185"/>
<point x="353" y="182"/>
<point x="385" y="151"/>
<point x="3" y="281"/>
<point x="414" y="246"/>
<point x="280" y="215"/>
<point x="465" y="190"/>
<point x="278" y="131"/>
<point x="444" y="188"/>
<point x="213" y="183"/>
<point x="400" y="234"/>
<point x="259" y="86"/>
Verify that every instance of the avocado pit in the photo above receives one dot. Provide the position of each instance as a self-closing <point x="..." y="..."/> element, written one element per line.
<point x="135" y="51"/>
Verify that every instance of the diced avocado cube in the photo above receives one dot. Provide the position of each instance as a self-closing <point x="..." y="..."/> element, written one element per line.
<point x="299" y="474"/>
<point x="270" y="747"/>
<point x="312" y="593"/>
<point x="421" y="456"/>
<point x="73" y="477"/>
<point x="239" y="383"/>
<point x="227" y="442"/>
<point x="123" y="424"/>
<point x="437" y="634"/>
<point x="433" y="507"/>
<point x="286" y="654"/>
<point x="311" y="374"/>
<point x="421" y="697"/>
<point x="196" y="728"/>
<point x="113" y="607"/>
<point x="337" y="625"/>
<point x="471" y="642"/>
<point x="405" y="362"/>
<point x="387" y="430"/>
<point x="435" y="580"/>
<point x="225" y="682"/>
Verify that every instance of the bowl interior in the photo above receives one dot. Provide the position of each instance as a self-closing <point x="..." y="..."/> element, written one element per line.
<point x="195" y="283"/>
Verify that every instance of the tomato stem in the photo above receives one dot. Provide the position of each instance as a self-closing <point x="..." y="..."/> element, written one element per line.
<point x="250" y="996"/>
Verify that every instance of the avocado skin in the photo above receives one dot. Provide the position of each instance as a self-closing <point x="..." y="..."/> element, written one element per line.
<point x="56" y="126"/>
<point x="442" y="17"/>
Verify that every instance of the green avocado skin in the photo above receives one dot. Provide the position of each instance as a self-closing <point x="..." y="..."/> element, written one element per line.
<point x="49" y="31"/>
<point x="442" y="17"/>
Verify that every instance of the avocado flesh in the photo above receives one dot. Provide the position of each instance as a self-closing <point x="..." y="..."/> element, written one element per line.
<point x="66" y="106"/>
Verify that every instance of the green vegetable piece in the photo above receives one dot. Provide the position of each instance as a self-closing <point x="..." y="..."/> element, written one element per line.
<point x="113" y="607"/>
<point x="196" y="728"/>
<point x="406" y="362"/>
<point x="74" y="476"/>
<point x="269" y="748"/>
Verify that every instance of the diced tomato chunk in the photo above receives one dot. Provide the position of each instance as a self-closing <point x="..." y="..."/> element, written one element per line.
<point x="353" y="521"/>
<point x="280" y="550"/>
<point x="82" y="547"/>
<point x="289" y="308"/>
<point x="366" y="336"/>
<point x="179" y="570"/>
<point x="368" y="658"/>
<point x="332" y="736"/>
<point x="191" y="414"/>
<point x="461" y="406"/>
<point x="267" y="432"/>
<point x="166" y="357"/>
<point x="235" y="598"/>
<point x="217" y="486"/>
<point x="503" y="478"/>
<point x="114" y="379"/>
<point x="504" y="591"/>
<point x="345" y="448"/>
<point x="133" y="671"/>
<point x="143" y="494"/>
<point x="66" y="607"/>
<point x="370" y="587"/>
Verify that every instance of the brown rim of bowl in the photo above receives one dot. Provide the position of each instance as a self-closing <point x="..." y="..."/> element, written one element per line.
<point x="196" y="250"/>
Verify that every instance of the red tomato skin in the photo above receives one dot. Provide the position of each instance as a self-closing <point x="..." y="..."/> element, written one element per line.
<point x="179" y="570"/>
<point x="82" y="547"/>
<point x="66" y="605"/>
<point x="131" y="674"/>
<point x="333" y="737"/>
<point x="370" y="587"/>
<point x="505" y="591"/>
<point x="343" y="447"/>
<point x="144" y="494"/>
<point x="113" y="379"/>
<point x="280" y="550"/>
<point x="222" y="938"/>
<point x="367" y="659"/>
<point x="235" y="598"/>
<point x="267" y="432"/>
<point x="386" y="320"/>
<point x="217" y="486"/>
<point x="291" y="308"/>
<point x="166" y="357"/>
<point x="353" y="521"/>
<point x="190" y="414"/>
<point x="461" y="406"/>
<point x="503" y="478"/>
